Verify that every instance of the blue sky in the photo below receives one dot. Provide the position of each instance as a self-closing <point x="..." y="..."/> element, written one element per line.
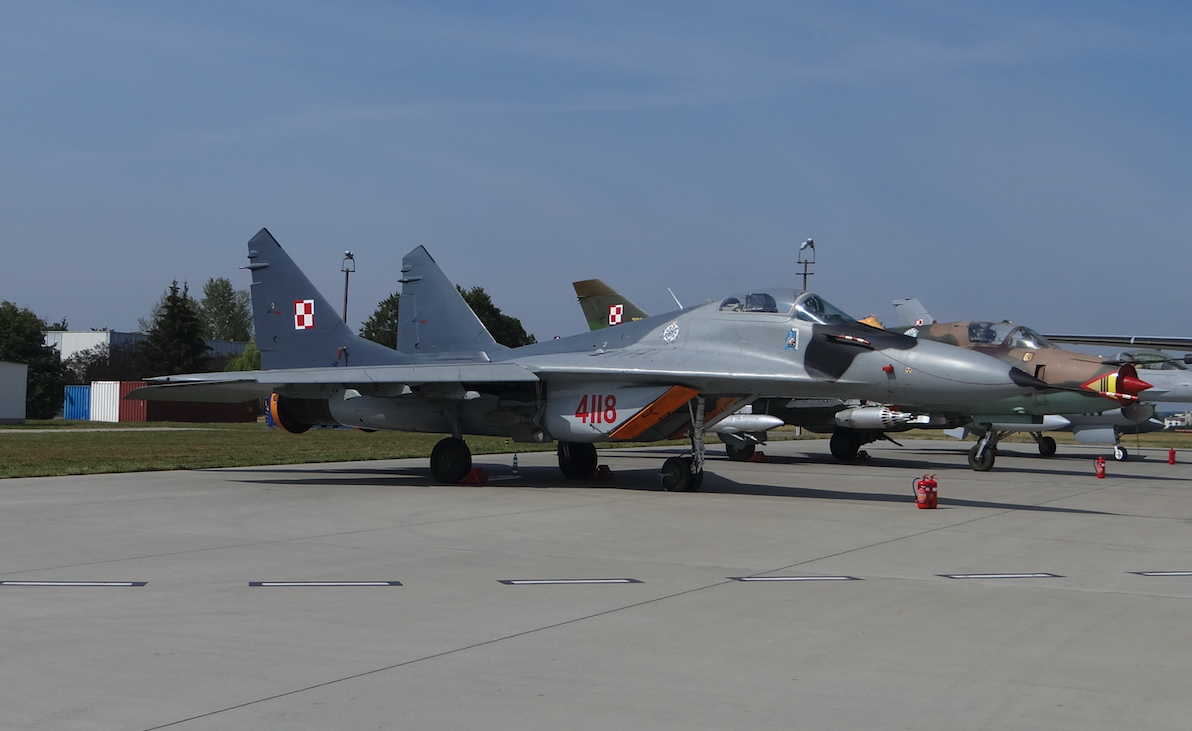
<point x="1028" y="160"/>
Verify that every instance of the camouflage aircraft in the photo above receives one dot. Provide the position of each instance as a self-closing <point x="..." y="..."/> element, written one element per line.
<point x="1115" y="379"/>
<point x="673" y="374"/>
<point x="854" y="423"/>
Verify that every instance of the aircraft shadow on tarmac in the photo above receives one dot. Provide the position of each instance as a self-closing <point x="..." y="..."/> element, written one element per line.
<point x="624" y="479"/>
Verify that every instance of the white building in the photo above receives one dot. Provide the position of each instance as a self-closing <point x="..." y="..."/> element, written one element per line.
<point x="70" y="342"/>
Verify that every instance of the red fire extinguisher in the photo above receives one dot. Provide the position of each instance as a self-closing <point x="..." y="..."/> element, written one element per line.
<point x="1171" y="456"/>
<point x="926" y="495"/>
<point x="1101" y="467"/>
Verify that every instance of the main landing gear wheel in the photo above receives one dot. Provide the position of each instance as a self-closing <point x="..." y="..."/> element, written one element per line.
<point x="739" y="454"/>
<point x="1120" y="453"/>
<point x="577" y="460"/>
<point x="450" y="460"/>
<point x="985" y="463"/>
<point x="677" y="475"/>
<point x="1046" y="446"/>
<point x="845" y="444"/>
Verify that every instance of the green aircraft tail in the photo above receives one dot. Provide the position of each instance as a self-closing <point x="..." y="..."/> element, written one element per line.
<point x="603" y="306"/>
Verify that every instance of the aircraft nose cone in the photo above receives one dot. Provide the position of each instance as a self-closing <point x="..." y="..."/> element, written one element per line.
<point x="1132" y="385"/>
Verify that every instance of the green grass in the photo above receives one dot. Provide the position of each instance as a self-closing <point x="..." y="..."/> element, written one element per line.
<point x="35" y="452"/>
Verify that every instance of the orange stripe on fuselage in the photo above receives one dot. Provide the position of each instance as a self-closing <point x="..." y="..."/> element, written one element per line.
<point x="659" y="409"/>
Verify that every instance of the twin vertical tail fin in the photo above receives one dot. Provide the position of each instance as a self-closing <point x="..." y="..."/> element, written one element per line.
<point x="296" y="327"/>
<point x="433" y="318"/>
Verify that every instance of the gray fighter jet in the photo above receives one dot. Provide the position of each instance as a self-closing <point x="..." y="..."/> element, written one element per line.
<point x="657" y="378"/>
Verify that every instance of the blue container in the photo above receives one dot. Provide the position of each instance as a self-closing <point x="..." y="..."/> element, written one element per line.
<point x="77" y="405"/>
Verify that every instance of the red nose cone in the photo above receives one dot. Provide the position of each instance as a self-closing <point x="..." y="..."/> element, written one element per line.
<point x="1132" y="385"/>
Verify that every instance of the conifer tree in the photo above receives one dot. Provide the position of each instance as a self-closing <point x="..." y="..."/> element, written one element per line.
<point x="175" y="343"/>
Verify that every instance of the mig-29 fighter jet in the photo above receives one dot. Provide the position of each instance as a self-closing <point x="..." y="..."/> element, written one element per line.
<point x="672" y="374"/>
<point x="851" y="424"/>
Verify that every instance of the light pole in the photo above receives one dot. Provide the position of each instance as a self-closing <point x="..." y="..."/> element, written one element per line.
<point x="347" y="268"/>
<point x="806" y="259"/>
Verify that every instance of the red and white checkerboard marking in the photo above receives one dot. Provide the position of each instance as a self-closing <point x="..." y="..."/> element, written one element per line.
<point x="304" y="314"/>
<point x="615" y="313"/>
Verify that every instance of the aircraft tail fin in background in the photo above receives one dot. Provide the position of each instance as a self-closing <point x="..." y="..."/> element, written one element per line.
<point x="912" y="313"/>
<point x="603" y="306"/>
<point x="296" y="327"/>
<point x="434" y="318"/>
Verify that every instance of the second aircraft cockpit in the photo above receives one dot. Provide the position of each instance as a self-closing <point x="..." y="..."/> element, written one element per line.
<point x="1006" y="334"/>
<point x="806" y="306"/>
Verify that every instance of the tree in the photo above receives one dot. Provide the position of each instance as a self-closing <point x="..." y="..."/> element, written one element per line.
<point x="59" y="326"/>
<point x="22" y="340"/>
<point x="249" y="360"/>
<point x="175" y="339"/>
<point x="225" y="313"/>
<point x="382" y="326"/>
<point x="505" y="330"/>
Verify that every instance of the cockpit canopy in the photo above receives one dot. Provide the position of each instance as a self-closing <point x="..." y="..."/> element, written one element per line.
<point x="789" y="303"/>
<point x="1008" y="334"/>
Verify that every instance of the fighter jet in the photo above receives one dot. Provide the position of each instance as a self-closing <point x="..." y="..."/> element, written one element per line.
<point x="852" y="423"/>
<point x="660" y="377"/>
<point x="1116" y="379"/>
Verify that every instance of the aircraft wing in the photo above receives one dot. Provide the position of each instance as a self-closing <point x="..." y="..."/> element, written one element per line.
<point x="1163" y="343"/>
<point x="234" y="387"/>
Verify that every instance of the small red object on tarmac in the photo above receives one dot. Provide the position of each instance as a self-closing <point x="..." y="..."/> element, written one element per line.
<point x="757" y="457"/>
<point x="926" y="495"/>
<point x="475" y="476"/>
<point x="1171" y="456"/>
<point x="1100" y="466"/>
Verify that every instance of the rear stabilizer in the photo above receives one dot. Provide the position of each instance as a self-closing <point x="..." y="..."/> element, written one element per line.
<point x="604" y="306"/>
<point x="434" y="318"/>
<point x="296" y="327"/>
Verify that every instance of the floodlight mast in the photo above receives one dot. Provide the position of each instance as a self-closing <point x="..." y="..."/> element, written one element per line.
<point x="806" y="259"/>
<point x="348" y="266"/>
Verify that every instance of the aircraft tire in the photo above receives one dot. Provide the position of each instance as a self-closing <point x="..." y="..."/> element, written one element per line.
<point x="739" y="454"/>
<point x="986" y="462"/>
<point x="1047" y="447"/>
<point x="677" y="477"/>
<point x="845" y="444"/>
<point x="577" y="460"/>
<point x="450" y="460"/>
<point x="1120" y="454"/>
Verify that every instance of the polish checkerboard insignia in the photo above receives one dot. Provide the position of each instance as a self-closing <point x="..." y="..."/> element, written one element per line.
<point x="615" y="314"/>
<point x="304" y="314"/>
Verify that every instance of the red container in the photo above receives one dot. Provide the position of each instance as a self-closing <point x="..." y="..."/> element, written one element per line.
<point x="131" y="410"/>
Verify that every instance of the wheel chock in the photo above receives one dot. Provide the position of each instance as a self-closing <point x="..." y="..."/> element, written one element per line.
<point x="475" y="476"/>
<point x="757" y="456"/>
<point x="603" y="473"/>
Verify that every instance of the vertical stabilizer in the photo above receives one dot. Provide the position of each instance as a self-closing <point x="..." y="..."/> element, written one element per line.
<point x="604" y="306"/>
<point x="434" y="319"/>
<point x="296" y="327"/>
<point x="912" y="313"/>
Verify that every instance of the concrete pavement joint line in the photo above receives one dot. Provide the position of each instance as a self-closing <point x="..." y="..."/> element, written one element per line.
<point x="438" y="655"/>
<point x="75" y="583"/>
<point x="558" y="582"/>
<point x="795" y="578"/>
<point x="1001" y="576"/>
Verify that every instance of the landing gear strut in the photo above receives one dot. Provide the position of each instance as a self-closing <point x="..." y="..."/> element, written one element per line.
<point x="983" y="453"/>
<point x="686" y="474"/>
<point x="450" y="460"/>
